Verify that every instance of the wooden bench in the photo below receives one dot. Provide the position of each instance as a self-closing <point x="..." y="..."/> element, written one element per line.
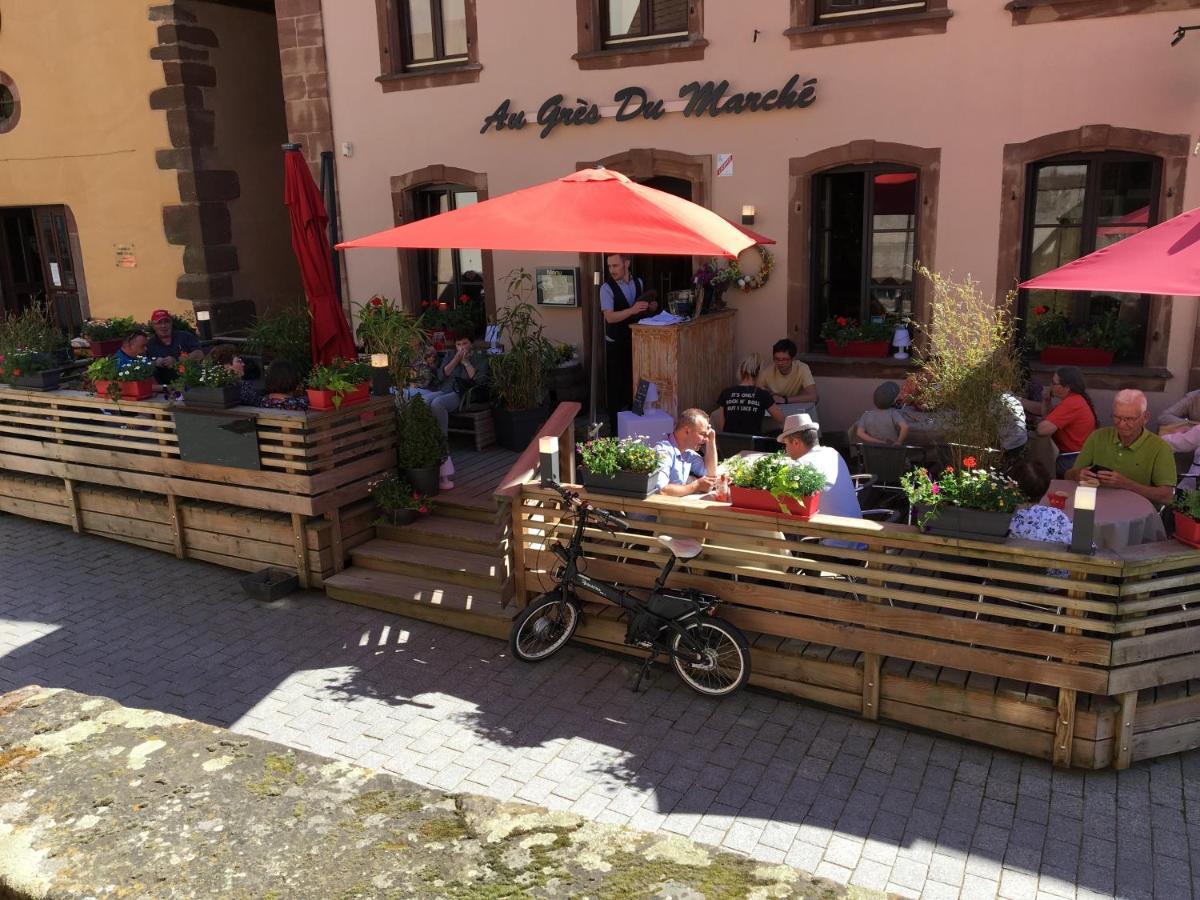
<point x="475" y="420"/>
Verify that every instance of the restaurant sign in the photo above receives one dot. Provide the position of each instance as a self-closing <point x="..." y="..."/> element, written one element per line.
<point x="711" y="98"/>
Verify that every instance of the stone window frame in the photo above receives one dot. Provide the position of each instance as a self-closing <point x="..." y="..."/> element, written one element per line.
<point x="806" y="32"/>
<point x="394" y="77"/>
<point x="404" y="189"/>
<point x="927" y="162"/>
<point x="10" y="123"/>
<point x="1038" y="12"/>
<point x="593" y="55"/>
<point x="1172" y="150"/>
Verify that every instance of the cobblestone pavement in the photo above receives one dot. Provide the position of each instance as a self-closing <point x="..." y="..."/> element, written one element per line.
<point x="873" y="805"/>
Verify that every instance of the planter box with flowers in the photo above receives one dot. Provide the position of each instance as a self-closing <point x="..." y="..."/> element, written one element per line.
<point x="104" y="336"/>
<point x="1186" y="506"/>
<point x="775" y="484"/>
<point x="30" y="370"/>
<point x="134" y="381"/>
<point x="967" y="502"/>
<point x="340" y="384"/>
<point x="208" y="384"/>
<point x="399" y="503"/>
<point x="849" y="337"/>
<point x="1094" y="344"/>
<point x="621" y="466"/>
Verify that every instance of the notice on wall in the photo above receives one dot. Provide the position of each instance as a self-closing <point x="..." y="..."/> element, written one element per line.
<point x="55" y="275"/>
<point x="724" y="165"/>
<point x="126" y="259"/>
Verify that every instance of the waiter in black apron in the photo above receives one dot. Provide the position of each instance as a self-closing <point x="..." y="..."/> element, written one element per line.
<point x="621" y="304"/>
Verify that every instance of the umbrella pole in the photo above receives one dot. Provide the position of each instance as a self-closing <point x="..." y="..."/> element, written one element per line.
<point x="597" y="343"/>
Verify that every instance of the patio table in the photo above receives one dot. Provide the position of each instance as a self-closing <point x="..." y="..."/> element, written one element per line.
<point x="1123" y="518"/>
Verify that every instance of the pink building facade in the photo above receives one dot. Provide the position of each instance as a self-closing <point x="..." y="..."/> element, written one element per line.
<point x="975" y="136"/>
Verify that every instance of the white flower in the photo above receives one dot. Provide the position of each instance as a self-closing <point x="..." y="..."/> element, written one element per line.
<point x="741" y="282"/>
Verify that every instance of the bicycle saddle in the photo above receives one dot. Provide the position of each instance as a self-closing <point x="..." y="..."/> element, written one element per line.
<point x="682" y="548"/>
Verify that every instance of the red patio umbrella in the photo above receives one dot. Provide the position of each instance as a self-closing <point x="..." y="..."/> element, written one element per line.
<point x="590" y="211"/>
<point x="1164" y="259"/>
<point x="330" y="336"/>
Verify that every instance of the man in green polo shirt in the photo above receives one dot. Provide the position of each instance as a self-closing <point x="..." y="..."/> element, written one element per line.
<point x="1135" y="459"/>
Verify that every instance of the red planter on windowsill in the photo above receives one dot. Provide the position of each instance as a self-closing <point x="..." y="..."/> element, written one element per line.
<point x="130" y="390"/>
<point x="100" y="349"/>
<point x="1187" y="530"/>
<point x="757" y="500"/>
<point x="1076" y="356"/>
<point x="323" y="400"/>
<point x="867" y="349"/>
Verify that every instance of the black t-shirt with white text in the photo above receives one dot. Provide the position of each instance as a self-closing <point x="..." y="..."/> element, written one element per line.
<point x="745" y="406"/>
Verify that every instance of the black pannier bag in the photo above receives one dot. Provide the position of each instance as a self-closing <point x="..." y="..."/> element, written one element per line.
<point x="644" y="627"/>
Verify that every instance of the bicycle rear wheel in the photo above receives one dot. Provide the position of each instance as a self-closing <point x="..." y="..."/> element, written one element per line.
<point x="543" y="628"/>
<point x="726" y="658"/>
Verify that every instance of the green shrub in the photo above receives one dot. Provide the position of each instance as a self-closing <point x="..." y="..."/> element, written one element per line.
<point x="421" y="442"/>
<point x="283" y="334"/>
<point x="31" y="329"/>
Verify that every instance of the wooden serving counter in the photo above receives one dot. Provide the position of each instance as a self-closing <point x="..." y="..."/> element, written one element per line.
<point x="691" y="363"/>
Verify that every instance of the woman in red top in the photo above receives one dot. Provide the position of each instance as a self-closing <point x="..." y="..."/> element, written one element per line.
<point x="1074" y="418"/>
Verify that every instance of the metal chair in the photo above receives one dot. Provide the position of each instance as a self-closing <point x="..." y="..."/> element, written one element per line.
<point x="887" y="463"/>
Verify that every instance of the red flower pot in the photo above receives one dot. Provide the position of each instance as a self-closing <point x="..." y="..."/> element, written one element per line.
<point x="1076" y="356"/>
<point x="100" y="349"/>
<point x="869" y="349"/>
<point x="323" y="400"/>
<point x="130" y="390"/>
<point x="764" y="501"/>
<point x="1187" y="530"/>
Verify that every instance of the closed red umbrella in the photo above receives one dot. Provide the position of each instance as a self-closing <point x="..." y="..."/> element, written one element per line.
<point x="590" y="211"/>
<point x="1164" y="259"/>
<point x="331" y="336"/>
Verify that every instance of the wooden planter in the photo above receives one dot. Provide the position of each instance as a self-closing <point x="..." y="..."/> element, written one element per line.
<point x="868" y="349"/>
<point x="103" y="348"/>
<point x="1076" y="356"/>
<point x="1187" y="530"/>
<point x="214" y="397"/>
<point x="764" y="501"/>
<point x="38" y="381"/>
<point x="971" y="524"/>
<point x="323" y="400"/>
<point x="622" y="484"/>
<point x="130" y="390"/>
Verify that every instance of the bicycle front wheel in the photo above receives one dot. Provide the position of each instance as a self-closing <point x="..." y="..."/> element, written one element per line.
<point x="543" y="628"/>
<point x="724" y="664"/>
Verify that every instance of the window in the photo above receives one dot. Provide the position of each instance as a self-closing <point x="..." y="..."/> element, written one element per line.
<point x="637" y="22"/>
<point x="846" y="10"/>
<point x="1078" y="204"/>
<point x="864" y="242"/>
<point x="451" y="281"/>
<point x="427" y="43"/>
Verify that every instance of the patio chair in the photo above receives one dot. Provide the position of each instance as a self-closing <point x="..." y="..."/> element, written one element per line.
<point x="474" y="417"/>
<point x="887" y="463"/>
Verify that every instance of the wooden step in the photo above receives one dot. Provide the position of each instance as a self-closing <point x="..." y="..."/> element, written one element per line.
<point x="464" y="608"/>
<point x="438" y="568"/>
<point x="449" y="533"/>
<point x="472" y="509"/>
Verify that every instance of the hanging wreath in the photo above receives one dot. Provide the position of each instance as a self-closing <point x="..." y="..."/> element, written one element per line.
<point x="732" y="274"/>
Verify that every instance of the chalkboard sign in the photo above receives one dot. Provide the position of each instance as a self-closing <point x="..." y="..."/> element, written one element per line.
<point x="639" y="399"/>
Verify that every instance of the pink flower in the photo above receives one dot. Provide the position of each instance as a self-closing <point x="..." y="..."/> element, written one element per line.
<point x="422" y="509"/>
<point x="934" y="489"/>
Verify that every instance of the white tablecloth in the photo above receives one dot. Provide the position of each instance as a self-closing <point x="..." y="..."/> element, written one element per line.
<point x="1123" y="518"/>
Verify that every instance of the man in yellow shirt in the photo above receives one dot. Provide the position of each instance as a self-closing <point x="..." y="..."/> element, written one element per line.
<point x="790" y="382"/>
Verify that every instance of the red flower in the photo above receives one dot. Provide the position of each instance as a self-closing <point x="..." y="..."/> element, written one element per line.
<point x="1040" y="310"/>
<point x="16" y="373"/>
<point x="841" y="320"/>
<point x="969" y="462"/>
<point x="422" y="509"/>
<point x="375" y="301"/>
<point x="464" y="298"/>
<point x="949" y="469"/>
<point x="416" y="496"/>
<point x="424" y="302"/>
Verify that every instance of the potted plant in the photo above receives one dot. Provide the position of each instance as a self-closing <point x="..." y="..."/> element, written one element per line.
<point x="622" y="466"/>
<point x="282" y="334"/>
<point x="1095" y="343"/>
<point x="33" y="329"/>
<point x="383" y="327"/>
<point x="1186" y="507"/>
<point x="398" y="502"/>
<point x="29" y="369"/>
<point x="775" y="483"/>
<point x="341" y="383"/>
<point x="968" y="501"/>
<point x="135" y="381"/>
<point x="422" y="447"/>
<point x="848" y="337"/>
<point x="208" y="384"/>
<point x="105" y="335"/>
<point x="519" y="374"/>
<point x="565" y="381"/>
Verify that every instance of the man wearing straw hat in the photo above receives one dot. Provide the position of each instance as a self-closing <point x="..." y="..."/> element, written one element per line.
<point x="800" y="438"/>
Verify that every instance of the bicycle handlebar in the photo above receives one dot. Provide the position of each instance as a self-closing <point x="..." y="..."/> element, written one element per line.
<point x="607" y="519"/>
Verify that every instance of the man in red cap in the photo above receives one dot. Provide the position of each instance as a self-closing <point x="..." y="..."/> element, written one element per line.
<point x="167" y="346"/>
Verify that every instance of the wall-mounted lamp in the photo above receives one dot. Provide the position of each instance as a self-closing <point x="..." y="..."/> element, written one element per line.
<point x="204" y="324"/>
<point x="747" y="215"/>
<point x="1083" y="522"/>
<point x="381" y="378"/>
<point x="1181" y="33"/>
<point x="548" y="458"/>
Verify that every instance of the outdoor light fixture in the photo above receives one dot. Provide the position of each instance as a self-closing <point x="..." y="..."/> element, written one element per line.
<point x="381" y="381"/>
<point x="901" y="340"/>
<point x="747" y="215"/>
<point x="548" y="458"/>
<point x="204" y="324"/>
<point x="1083" y="522"/>
<point x="1181" y="33"/>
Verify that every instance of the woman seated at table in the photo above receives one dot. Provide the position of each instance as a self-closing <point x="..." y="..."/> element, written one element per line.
<point x="741" y="407"/>
<point x="281" y="387"/>
<point x="1074" y="418"/>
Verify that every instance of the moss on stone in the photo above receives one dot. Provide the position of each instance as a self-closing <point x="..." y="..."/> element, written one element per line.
<point x="443" y="828"/>
<point x="725" y="878"/>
